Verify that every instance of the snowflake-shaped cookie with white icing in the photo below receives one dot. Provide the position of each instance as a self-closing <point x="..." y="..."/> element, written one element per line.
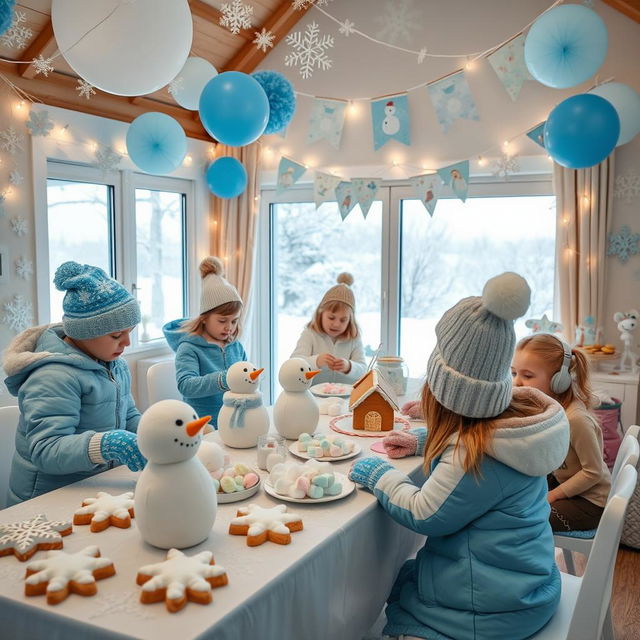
<point x="180" y="578"/>
<point x="105" y="510"/>
<point x="23" y="539"/>
<point x="60" y="574"/>
<point x="260" y="524"/>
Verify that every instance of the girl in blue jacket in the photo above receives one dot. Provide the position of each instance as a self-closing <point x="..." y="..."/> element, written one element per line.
<point x="487" y="569"/>
<point x="77" y="416"/>
<point x="207" y="346"/>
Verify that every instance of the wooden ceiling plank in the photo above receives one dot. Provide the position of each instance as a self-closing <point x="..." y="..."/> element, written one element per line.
<point x="630" y="8"/>
<point x="213" y="15"/>
<point x="43" y="44"/>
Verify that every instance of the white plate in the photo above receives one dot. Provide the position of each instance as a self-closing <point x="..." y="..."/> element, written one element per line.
<point x="347" y="488"/>
<point x="236" y="496"/>
<point x="344" y="425"/>
<point x="318" y="390"/>
<point x="293" y="447"/>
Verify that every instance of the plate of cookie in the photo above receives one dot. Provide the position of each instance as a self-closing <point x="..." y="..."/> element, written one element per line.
<point x="324" y="447"/>
<point x="331" y="390"/>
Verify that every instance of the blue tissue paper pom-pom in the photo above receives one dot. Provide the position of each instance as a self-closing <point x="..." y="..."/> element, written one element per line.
<point x="6" y="14"/>
<point x="282" y="99"/>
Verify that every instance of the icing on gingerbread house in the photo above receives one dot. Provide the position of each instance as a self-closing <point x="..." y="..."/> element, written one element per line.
<point x="373" y="402"/>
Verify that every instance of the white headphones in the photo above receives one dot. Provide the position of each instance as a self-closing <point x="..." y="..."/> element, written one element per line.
<point x="561" y="380"/>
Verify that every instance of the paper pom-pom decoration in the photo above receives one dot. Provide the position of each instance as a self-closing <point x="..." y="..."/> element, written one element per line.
<point x="6" y="14"/>
<point x="282" y="99"/>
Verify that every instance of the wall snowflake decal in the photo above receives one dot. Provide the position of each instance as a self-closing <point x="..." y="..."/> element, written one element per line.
<point x="42" y="65"/>
<point x="18" y="314"/>
<point x="24" y="268"/>
<point x="264" y="40"/>
<point x="399" y="19"/>
<point x="176" y="86"/>
<point x="505" y="165"/>
<point x="107" y="159"/>
<point x="17" y="36"/>
<point x="85" y="89"/>
<point x="19" y="226"/>
<point x="308" y="50"/>
<point x="11" y="141"/>
<point x="627" y="188"/>
<point x="39" y="123"/>
<point x="236" y="16"/>
<point x="15" y="178"/>
<point x="623" y="244"/>
<point x="422" y="55"/>
<point x="347" y="28"/>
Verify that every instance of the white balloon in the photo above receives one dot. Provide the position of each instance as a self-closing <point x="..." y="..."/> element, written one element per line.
<point x="626" y="101"/>
<point x="136" y="47"/>
<point x="191" y="81"/>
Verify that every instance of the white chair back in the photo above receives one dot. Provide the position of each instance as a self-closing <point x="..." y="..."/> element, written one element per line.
<point x="9" y="417"/>
<point x="633" y="430"/>
<point x="628" y="453"/>
<point x="161" y="382"/>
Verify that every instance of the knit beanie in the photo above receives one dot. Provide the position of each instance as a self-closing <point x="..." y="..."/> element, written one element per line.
<point x="216" y="291"/>
<point x="341" y="292"/>
<point x="469" y="371"/>
<point x="94" y="304"/>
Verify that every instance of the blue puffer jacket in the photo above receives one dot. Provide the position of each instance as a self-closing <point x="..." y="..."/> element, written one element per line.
<point x="201" y="368"/>
<point x="487" y="569"/>
<point x="65" y="397"/>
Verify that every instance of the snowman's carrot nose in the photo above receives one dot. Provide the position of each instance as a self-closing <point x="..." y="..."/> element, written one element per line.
<point x="193" y="427"/>
<point x="254" y="374"/>
<point x="310" y="374"/>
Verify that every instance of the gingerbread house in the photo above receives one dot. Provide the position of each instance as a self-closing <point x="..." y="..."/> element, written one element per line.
<point x="373" y="402"/>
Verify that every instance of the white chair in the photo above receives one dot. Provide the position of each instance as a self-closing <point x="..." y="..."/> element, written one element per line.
<point x="584" y="611"/>
<point x="161" y="382"/>
<point x="8" y="424"/>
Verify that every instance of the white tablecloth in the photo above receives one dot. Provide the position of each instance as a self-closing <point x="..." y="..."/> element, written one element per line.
<point x="328" y="584"/>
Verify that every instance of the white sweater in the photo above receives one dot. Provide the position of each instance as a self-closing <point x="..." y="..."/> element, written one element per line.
<point x="311" y="344"/>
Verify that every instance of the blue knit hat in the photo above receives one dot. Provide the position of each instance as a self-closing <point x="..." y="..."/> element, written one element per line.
<point x="94" y="304"/>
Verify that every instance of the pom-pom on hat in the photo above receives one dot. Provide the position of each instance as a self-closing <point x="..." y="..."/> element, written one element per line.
<point x="341" y="292"/>
<point x="94" y="304"/>
<point x="469" y="371"/>
<point x="216" y="291"/>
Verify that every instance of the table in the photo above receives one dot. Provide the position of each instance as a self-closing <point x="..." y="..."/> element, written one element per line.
<point x="330" y="583"/>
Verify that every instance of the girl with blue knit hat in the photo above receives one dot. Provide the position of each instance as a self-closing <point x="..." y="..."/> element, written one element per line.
<point x="487" y="569"/>
<point x="77" y="415"/>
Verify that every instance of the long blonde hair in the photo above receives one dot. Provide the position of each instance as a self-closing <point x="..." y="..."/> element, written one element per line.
<point x="195" y="326"/>
<point x="334" y="306"/>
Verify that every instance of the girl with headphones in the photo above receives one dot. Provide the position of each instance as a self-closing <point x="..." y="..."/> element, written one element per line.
<point x="578" y="490"/>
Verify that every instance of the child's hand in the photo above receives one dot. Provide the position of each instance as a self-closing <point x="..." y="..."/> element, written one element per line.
<point x="412" y="409"/>
<point x="341" y="365"/>
<point x="400" y="444"/>
<point x="122" y="446"/>
<point x="325" y="360"/>
<point x="368" y="471"/>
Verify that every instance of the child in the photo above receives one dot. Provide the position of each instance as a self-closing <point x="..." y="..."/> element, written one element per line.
<point x="578" y="490"/>
<point x="207" y="346"/>
<point x="487" y="569"/>
<point x="77" y="416"/>
<point x="331" y="341"/>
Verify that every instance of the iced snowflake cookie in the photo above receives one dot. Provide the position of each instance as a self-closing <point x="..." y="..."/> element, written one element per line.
<point x="105" y="510"/>
<point x="260" y="524"/>
<point x="180" y="578"/>
<point x="24" y="538"/>
<point x="60" y="573"/>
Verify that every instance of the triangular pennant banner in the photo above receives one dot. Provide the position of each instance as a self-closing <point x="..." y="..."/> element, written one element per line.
<point x="364" y="190"/>
<point x="289" y="172"/>
<point x="390" y="120"/>
<point x="345" y="198"/>
<point x="327" y="120"/>
<point x="452" y="99"/>
<point x="537" y="134"/>
<point x="427" y="188"/>
<point x="457" y="177"/>
<point x="324" y="186"/>
<point x="508" y="63"/>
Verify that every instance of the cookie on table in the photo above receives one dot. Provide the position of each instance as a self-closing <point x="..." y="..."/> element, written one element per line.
<point x="23" y="539"/>
<point x="105" y="510"/>
<point x="260" y="524"/>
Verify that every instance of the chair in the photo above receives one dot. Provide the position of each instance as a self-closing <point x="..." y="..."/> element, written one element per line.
<point x="581" y="541"/>
<point x="161" y="382"/>
<point x="584" y="611"/>
<point x="9" y="417"/>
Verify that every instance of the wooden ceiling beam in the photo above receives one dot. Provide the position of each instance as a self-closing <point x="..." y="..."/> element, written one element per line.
<point x="630" y="8"/>
<point x="43" y="44"/>
<point x="213" y="15"/>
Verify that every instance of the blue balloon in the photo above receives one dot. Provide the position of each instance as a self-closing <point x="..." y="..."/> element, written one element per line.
<point x="156" y="143"/>
<point x="226" y="177"/>
<point x="581" y="131"/>
<point x="565" y="46"/>
<point x="234" y="108"/>
<point x="6" y="14"/>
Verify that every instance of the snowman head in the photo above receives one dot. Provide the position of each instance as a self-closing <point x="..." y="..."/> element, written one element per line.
<point x="296" y="375"/>
<point x="390" y="108"/>
<point x="243" y="377"/>
<point x="169" y="432"/>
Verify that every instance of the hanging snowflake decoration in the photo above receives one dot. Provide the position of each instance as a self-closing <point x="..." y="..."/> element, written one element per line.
<point x="309" y="50"/>
<point x="85" y="89"/>
<point x="17" y="36"/>
<point x="24" y="268"/>
<point x="19" y="226"/>
<point x="107" y="159"/>
<point x="42" y="65"/>
<point x="399" y="20"/>
<point x="18" y="314"/>
<point x="176" y="86"/>
<point x="264" y="40"/>
<point x="623" y="244"/>
<point x="15" y="178"/>
<point x="298" y="5"/>
<point x="236" y="16"/>
<point x="347" y="28"/>
<point x="422" y="55"/>
<point x="627" y="188"/>
<point x="11" y="141"/>
<point x="39" y="123"/>
<point x="505" y="166"/>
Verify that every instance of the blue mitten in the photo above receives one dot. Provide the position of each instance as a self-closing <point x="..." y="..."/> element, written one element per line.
<point x="368" y="471"/>
<point x="122" y="446"/>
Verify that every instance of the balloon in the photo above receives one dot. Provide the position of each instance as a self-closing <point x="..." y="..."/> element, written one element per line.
<point x="124" y="47"/>
<point x="626" y="101"/>
<point x="226" y="177"/>
<point x="6" y="14"/>
<point x="565" y="46"/>
<point x="156" y="143"/>
<point x="281" y="96"/>
<point x="581" y="131"/>
<point x="191" y="81"/>
<point x="234" y="108"/>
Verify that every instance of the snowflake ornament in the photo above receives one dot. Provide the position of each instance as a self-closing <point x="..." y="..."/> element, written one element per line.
<point x="24" y="268"/>
<point x="627" y="188"/>
<point x="11" y="141"/>
<point x="17" y="36"/>
<point x="422" y="55"/>
<point x="19" y="226"/>
<point x="347" y="28"/>
<point x="505" y="166"/>
<point x="19" y="316"/>
<point x="15" y="178"/>
<point x="623" y="244"/>
<point x="399" y="19"/>
<point x="24" y="538"/>
<point x="298" y="5"/>
<point x="308" y="50"/>
<point x="107" y="159"/>
<point x="85" y="89"/>
<point x="42" y="65"/>
<point x="236" y="16"/>
<point x="176" y="86"/>
<point x="264" y="40"/>
<point x="39" y="123"/>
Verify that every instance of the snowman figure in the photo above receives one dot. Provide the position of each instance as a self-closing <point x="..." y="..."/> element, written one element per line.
<point x="242" y="417"/>
<point x="296" y="411"/>
<point x="175" y="501"/>
<point x="286" y="178"/>
<point x="391" y="123"/>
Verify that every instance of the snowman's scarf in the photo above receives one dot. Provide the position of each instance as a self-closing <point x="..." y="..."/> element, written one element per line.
<point x="240" y="405"/>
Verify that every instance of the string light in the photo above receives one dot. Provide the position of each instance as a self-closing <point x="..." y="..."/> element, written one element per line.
<point x="585" y="199"/>
<point x="187" y="160"/>
<point x="481" y="161"/>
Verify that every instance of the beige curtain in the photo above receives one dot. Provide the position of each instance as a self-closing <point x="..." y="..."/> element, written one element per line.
<point x="584" y="212"/>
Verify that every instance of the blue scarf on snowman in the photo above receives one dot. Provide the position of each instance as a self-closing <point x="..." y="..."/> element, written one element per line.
<point x="240" y="405"/>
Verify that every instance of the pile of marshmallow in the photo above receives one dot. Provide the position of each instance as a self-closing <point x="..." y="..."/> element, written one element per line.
<point x="312" y="479"/>
<point x="333" y="406"/>
<point x="323" y="445"/>
<point x="334" y="389"/>
<point x="236" y="478"/>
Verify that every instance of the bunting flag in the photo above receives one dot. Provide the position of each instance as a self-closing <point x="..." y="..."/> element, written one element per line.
<point x="289" y="172"/>
<point x="452" y="99"/>
<point x="364" y="191"/>
<point x="508" y="63"/>
<point x="327" y="120"/>
<point x="345" y="198"/>
<point x="457" y="177"/>
<point x="390" y="120"/>
<point x="537" y="134"/>
<point x="427" y="188"/>
<point x="324" y="186"/>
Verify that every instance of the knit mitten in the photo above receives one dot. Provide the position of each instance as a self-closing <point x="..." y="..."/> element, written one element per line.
<point x="400" y="444"/>
<point x="122" y="446"/>
<point x="368" y="471"/>
<point x="412" y="409"/>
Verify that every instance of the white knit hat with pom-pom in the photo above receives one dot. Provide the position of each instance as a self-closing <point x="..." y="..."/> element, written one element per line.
<point x="216" y="291"/>
<point x="469" y="371"/>
<point x="341" y="292"/>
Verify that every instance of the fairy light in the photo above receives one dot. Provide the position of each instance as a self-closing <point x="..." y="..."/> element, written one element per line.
<point x="585" y="199"/>
<point x="93" y="145"/>
<point x="353" y="109"/>
<point x="394" y="162"/>
<point x="481" y="161"/>
<point x="470" y="65"/>
<point x="187" y="160"/>
<point x="20" y="105"/>
<point x="121" y="149"/>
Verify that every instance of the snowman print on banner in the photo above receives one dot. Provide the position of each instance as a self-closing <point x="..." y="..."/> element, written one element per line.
<point x="390" y="120"/>
<point x="391" y="123"/>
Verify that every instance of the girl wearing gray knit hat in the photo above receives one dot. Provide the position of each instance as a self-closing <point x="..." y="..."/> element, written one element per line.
<point x="488" y="562"/>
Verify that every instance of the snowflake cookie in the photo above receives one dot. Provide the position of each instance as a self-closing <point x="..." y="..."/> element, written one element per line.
<point x="24" y="538"/>
<point x="260" y="524"/>
<point x="180" y="578"/>
<point x="60" y="574"/>
<point x="105" y="510"/>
